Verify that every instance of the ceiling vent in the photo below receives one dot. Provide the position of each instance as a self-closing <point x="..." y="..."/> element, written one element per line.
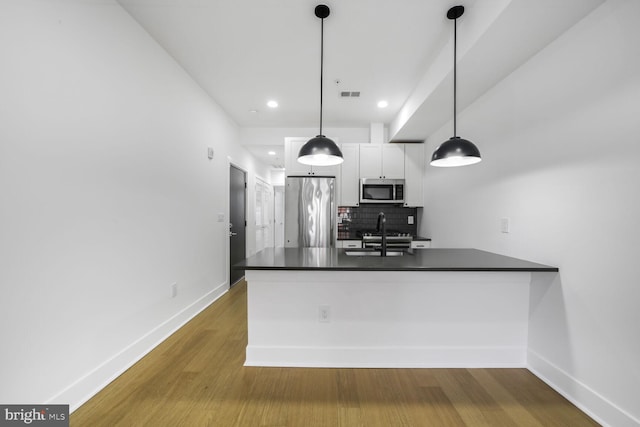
<point x="347" y="94"/>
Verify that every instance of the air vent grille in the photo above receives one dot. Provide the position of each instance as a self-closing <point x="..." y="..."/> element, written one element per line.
<point x="350" y="94"/>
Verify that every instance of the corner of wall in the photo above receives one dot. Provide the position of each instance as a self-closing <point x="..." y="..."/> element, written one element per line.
<point x="90" y="384"/>
<point x="582" y="396"/>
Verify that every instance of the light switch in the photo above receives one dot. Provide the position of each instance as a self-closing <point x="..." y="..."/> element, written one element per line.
<point x="220" y="217"/>
<point x="505" y="225"/>
<point x="210" y="152"/>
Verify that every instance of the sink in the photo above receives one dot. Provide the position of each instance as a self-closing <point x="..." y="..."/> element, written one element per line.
<point x="362" y="252"/>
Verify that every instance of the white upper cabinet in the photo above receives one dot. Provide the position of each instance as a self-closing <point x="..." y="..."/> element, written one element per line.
<point x="382" y="161"/>
<point x="393" y="161"/>
<point x="293" y="167"/>
<point x="370" y="161"/>
<point x="414" y="162"/>
<point x="349" y="182"/>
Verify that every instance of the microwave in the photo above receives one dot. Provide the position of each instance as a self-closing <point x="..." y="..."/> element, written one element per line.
<point x="381" y="190"/>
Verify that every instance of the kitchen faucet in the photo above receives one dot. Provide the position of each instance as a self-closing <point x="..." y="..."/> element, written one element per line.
<point x="381" y="228"/>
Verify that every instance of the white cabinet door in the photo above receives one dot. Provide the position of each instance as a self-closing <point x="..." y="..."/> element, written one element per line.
<point x="291" y="149"/>
<point x="349" y="170"/>
<point x="414" y="175"/>
<point x="393" y="161"/>
<point x="353" y="244"/>
<point x="370" y="161"/>
<point x="382" y="161"/>
<point x="420" y="244"/>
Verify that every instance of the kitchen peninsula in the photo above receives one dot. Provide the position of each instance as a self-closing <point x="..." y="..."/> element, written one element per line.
<point x="320" y="307"/>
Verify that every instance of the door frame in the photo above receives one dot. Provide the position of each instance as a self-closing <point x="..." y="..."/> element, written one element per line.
<point x="246" y="201"/>
<point x="269" y="208"/>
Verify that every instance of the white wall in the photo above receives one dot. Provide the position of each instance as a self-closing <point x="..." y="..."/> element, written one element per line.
<point x="277" y="177"/>
<point x="560" y="145"/>
<point x="107" y="197"/>
<point x="276" y="136"/>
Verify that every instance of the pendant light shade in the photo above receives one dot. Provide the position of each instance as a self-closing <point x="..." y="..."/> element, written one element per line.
<point x="455" y="151"/>
<point x="320" y="151"/>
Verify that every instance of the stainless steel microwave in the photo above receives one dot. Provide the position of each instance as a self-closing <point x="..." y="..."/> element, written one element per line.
<point x="381" y="190"/>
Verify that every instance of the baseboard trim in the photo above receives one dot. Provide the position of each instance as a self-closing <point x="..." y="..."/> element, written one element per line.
<point x="582" y="396"/>
<point x="387" y="357"/>
<point x="90" y="384"/>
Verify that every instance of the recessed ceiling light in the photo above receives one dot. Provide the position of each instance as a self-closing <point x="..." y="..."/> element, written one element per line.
<point x="272" y="104"/>
<point x="271" y="153"/>
<point x="383" y="104"/>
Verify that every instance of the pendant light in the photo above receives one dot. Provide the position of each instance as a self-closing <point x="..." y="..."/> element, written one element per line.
<point x="455" y="151"/>
<point x="320" y="151"/>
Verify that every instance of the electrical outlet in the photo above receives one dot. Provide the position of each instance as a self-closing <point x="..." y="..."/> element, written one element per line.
<point x="410" y="219"/>
<point x="220" y="217"/>
<point x="210" y="152"/>
<point x="173" y="289"/>
<point x="324" y="314"/>
<point x="505" y="225"/>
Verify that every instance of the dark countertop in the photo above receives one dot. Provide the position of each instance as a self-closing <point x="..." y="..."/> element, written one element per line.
<point x="438" y="259"/>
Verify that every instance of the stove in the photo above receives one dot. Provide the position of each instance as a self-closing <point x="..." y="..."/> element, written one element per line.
<point x="395" y="239"/>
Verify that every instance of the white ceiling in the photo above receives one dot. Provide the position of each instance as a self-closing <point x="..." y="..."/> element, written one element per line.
<point x="246" y="52"/>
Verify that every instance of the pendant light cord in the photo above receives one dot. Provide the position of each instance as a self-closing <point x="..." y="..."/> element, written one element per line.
<point x="455" y="73"/>
<point x="321" y="67"/>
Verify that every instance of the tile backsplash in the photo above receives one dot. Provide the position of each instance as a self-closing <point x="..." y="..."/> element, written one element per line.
<point x="354" y="219"/>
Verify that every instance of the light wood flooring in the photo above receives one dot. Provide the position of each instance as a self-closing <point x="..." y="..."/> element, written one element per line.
<point x="197" y="378"/>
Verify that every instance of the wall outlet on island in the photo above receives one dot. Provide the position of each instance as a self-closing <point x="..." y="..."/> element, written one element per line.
<point x="324" y="313"/>
<point x="410" y="220"/>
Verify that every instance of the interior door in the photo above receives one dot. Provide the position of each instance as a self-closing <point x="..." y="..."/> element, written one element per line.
<point x="263" y="215"/>
<point x="237" y="221"/>
<point x="279" y="217"/>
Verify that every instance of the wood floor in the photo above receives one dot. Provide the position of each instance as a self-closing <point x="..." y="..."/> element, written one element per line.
<point x="196" y="378"/>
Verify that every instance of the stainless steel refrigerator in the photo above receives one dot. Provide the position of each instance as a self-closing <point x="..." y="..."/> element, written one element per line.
<point x="310" y="212"/>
